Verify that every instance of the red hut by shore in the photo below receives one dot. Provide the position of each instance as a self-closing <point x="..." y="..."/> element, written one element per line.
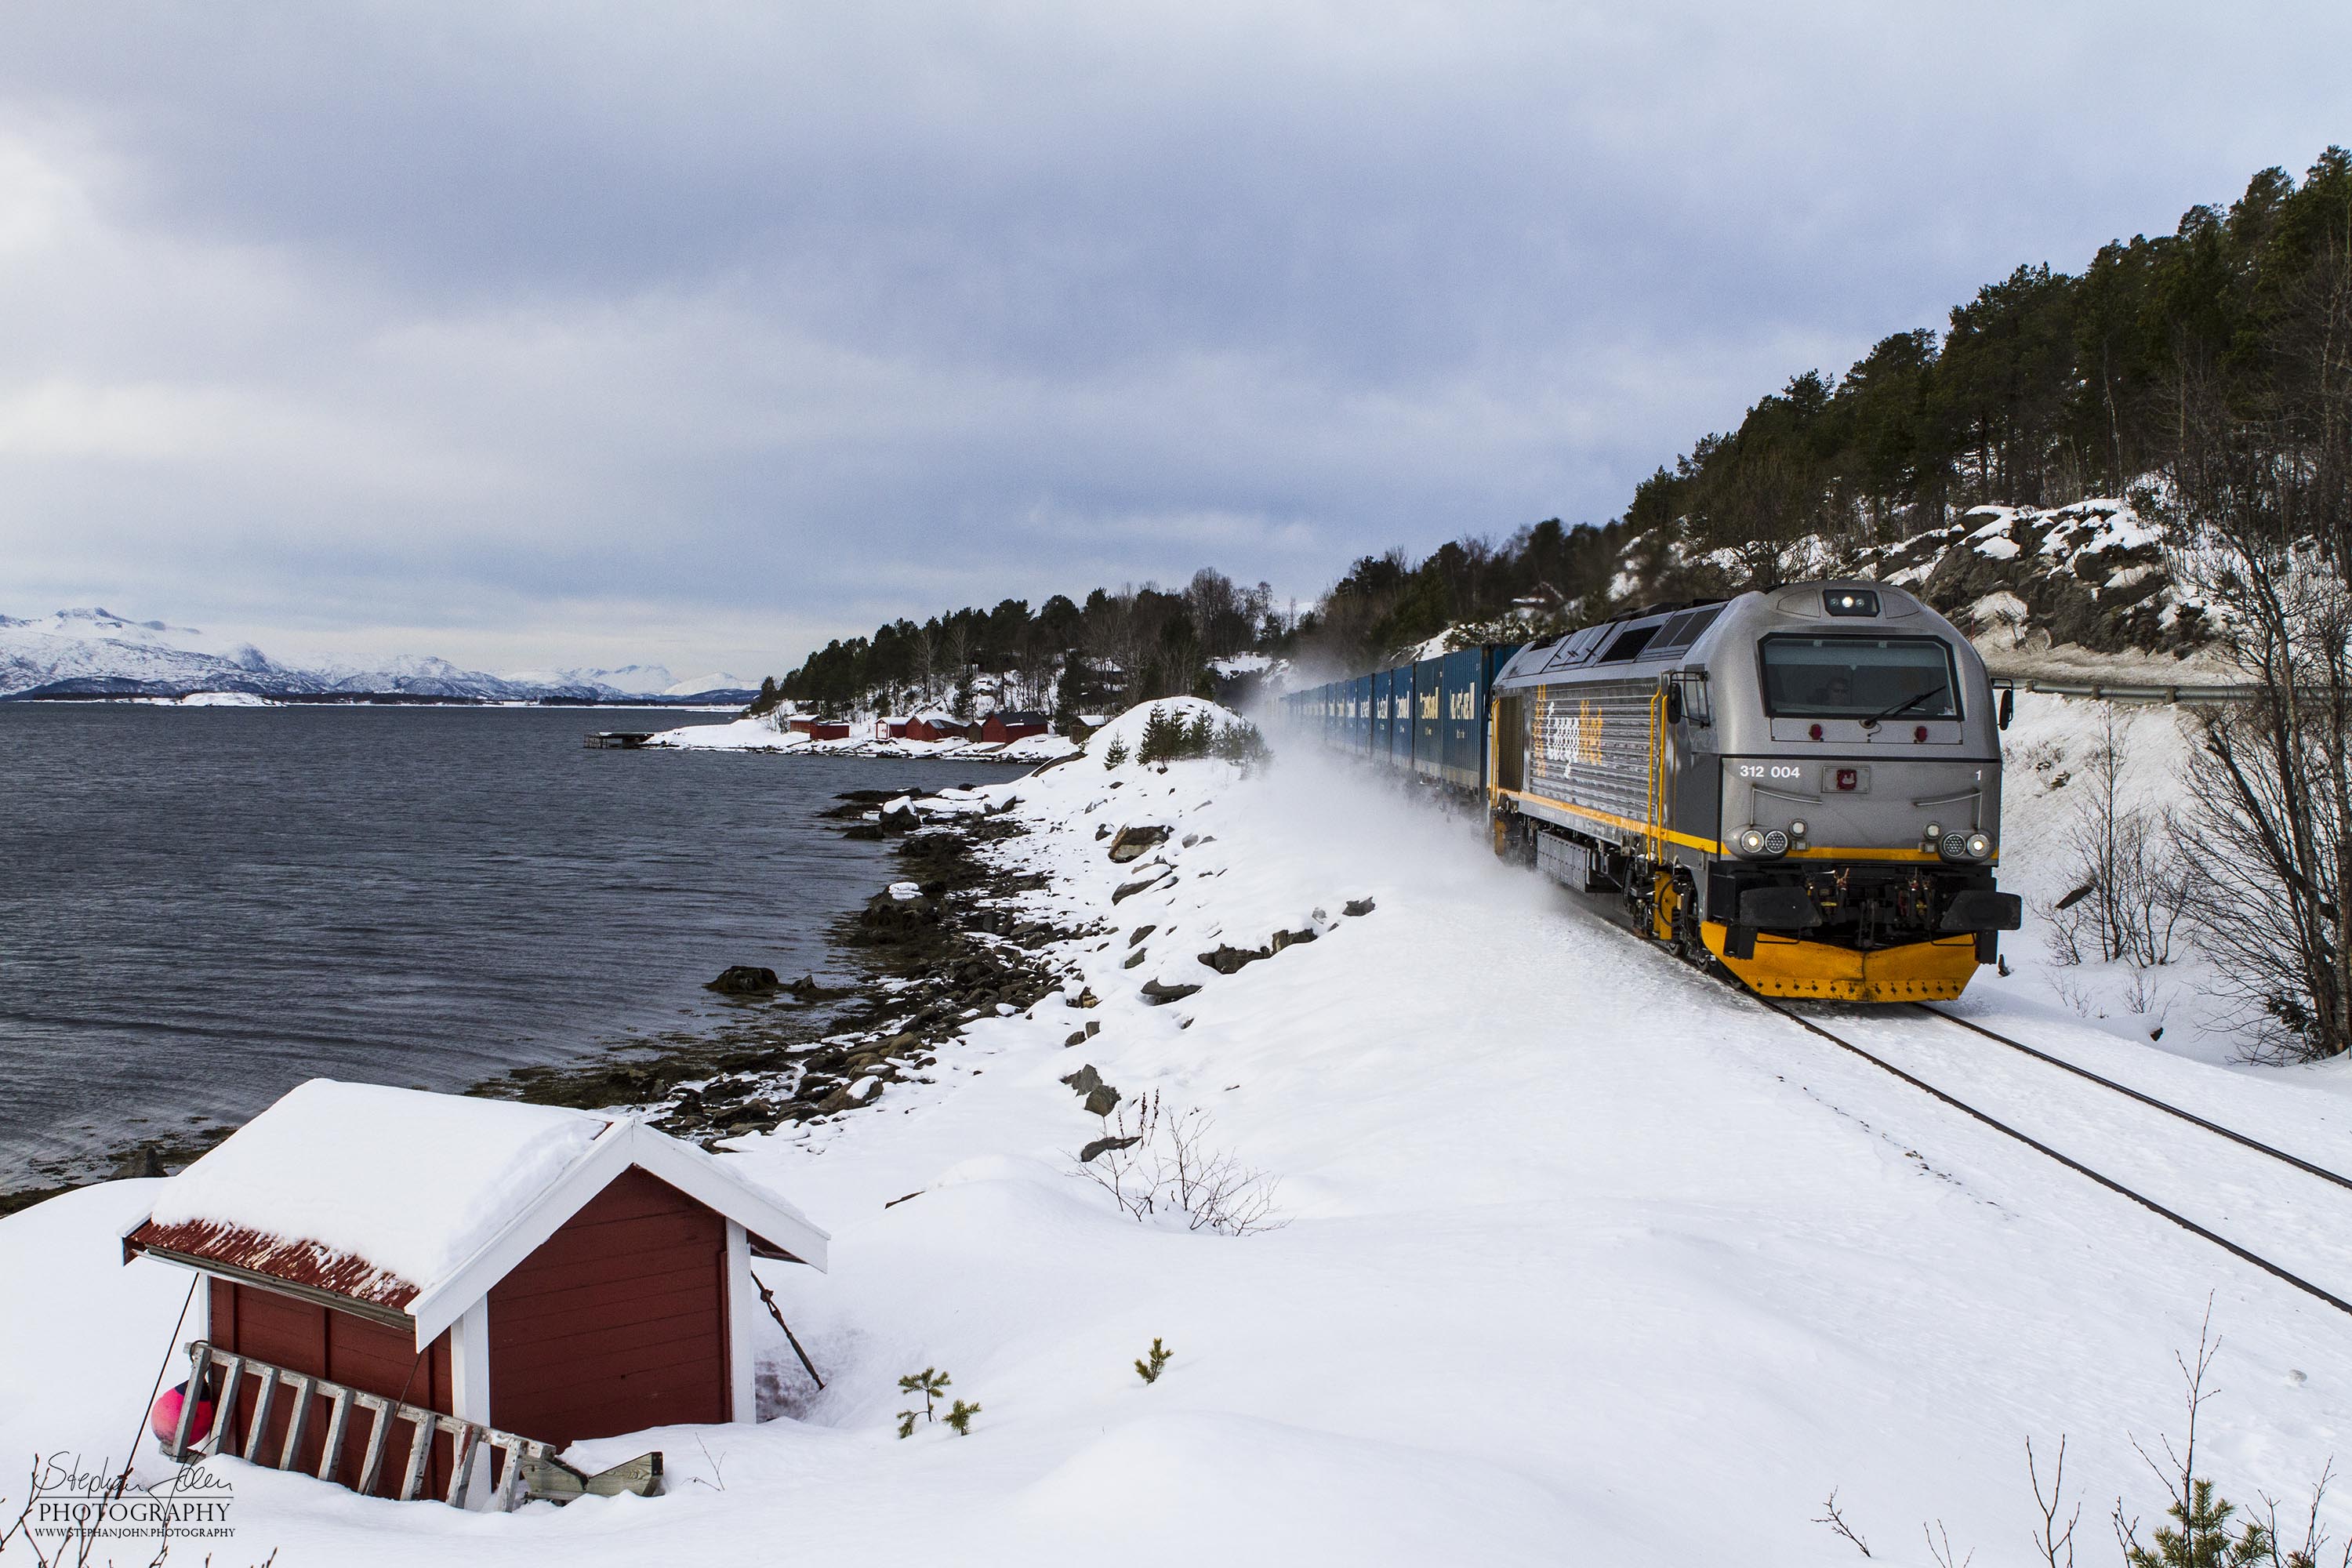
<point x="937" y="726"/>
<point x="1001" y="727"/>
<point x="555" y="1273"/>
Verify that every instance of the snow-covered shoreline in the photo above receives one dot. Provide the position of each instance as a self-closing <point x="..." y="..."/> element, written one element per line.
<point x="764" y="735"/>
<point x="1572" y="1239"/>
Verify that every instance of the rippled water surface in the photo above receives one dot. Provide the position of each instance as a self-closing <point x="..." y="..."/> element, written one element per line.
<point x="201" y="908"/>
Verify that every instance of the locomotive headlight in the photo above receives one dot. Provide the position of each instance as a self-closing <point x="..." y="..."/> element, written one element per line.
<point x="1955" y="847"/>
<point x="1775" y="843"/>
<point x="1978" y="846"/>
<point x="1750" y="842"/>
<point x="1797" y="830"/>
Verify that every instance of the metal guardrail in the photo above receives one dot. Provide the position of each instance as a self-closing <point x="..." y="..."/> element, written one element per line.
<point x="2127" y="691"/>
<point x="467" y="1438"/>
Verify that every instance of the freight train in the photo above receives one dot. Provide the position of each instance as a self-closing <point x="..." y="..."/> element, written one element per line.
<point x="1801" y="786"/>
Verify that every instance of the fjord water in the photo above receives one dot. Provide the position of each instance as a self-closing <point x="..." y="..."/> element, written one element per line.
<point x="199" y="908"/>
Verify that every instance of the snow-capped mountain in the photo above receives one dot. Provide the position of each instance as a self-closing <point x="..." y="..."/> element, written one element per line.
<point x="94" y="652"/>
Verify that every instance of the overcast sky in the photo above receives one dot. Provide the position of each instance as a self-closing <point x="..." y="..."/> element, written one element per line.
<point x="539" y="334"/>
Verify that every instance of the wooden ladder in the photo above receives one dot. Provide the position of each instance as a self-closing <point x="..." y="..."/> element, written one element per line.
<point x="467" y="1438"/>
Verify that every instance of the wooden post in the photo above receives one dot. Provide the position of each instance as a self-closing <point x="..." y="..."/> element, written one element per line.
<point x="297" y="1421"/>
<point x="372" y="1462"/>
<point x="263" y="1398"/>
<point x="224" y="1412"/>
<point x="420" y="1450"/>
<point x="199" y="1362"/>
<point x="468" y="1439"/>
<point x="331" y="1457"/>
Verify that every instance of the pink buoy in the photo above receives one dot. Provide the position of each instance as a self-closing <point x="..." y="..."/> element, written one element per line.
<point x="164" y="1420"/>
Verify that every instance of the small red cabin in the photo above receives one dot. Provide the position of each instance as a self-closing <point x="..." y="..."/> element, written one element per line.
<point x="937" y="726"/>
<point x="820" y="729"/>
<point x="1001" y="727"/>
<point x="555" y="1273"/>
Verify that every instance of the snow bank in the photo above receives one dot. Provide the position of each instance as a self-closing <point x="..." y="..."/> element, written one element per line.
<point x="762" y="734"/>
<point x="413" y="1183"/>
<point x="1127" y="729"/>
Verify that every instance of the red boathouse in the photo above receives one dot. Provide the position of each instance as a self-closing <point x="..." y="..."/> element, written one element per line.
<point x="555" y="1273"/>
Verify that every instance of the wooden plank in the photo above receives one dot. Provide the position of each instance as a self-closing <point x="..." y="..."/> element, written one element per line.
<point x="338" y="1417"/>
<point x="200" y="1355"/>
<point x="263" y="1398"/>
<point x="420" y="1451"/>
<point x="224" y="1412"/>
<point x="607" y="1301"/>
<point x="470" y="1443"/>
<point x="603" y="1345"/>
<point x="372" y="1463"/>
<point x="567" y="1258"/>
<point x="297" y="1421"/>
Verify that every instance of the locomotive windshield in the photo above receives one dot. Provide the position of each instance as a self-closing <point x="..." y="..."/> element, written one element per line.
<point x="1858" y="678"/>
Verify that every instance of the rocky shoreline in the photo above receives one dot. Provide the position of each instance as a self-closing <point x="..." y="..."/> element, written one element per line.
<point x="939" y="947"/>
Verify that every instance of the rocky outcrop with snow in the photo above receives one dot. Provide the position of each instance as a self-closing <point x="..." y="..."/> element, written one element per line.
<point x="2093" y="575"/>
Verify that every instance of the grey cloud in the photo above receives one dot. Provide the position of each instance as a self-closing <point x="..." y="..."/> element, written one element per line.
<point x="486" y="317"/>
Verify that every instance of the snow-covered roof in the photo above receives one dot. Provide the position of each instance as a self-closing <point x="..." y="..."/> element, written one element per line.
<point x="419" y="1203"/>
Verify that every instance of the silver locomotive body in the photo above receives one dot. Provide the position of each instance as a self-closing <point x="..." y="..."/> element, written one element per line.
<point x="1804" y="782"/>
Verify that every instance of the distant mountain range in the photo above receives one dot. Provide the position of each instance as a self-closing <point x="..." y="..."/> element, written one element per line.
<point x="95" y="653"/>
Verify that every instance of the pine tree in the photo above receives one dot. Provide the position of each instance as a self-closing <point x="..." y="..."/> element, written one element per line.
<point x="960" y="1417"/>
<point x="1163" y="737"/>
<point x="929" y="1382"/>
<point x="1157" y="1357"/>
<point x="2202" y="1538"/>
<point x="1069" y="694"/>
<point x="1197" y="737"/>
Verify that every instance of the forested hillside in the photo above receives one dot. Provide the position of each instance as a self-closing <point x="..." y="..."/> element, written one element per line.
<point x="1065" y="657"/>
<point x="2200" y="373"/>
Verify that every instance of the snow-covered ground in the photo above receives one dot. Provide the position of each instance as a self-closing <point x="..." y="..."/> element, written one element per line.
<point x="763" y="734"/>
<point x="1586" y="1258"/>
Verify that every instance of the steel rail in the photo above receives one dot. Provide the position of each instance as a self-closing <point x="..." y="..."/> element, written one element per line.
<point x="2231" y="1134"/>
<point x="2183" y="1221"/>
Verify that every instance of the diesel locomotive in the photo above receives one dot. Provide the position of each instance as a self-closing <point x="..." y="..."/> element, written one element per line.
<point x="1801" y="786"/>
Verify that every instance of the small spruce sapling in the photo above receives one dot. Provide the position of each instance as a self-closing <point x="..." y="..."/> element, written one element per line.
<point x="1148" y="1368"/>
<point x="931" y="1383"/>
<point x="960" y="1417"/>
<point x="1115" y="754"/>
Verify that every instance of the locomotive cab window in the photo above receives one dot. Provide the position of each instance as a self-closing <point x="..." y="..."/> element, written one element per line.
<point x="1858" y="678"/>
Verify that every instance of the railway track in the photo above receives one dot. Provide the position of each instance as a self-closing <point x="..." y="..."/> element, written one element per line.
<point x="2272" y="1157"/>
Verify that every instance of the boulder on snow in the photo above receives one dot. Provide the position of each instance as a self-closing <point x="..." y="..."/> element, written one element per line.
<point x="1229" y="959"/>
<point x="1357" y="907"/>
<point x="1159" y="995"/>
<point x="1085" y="1081"/>
<point x="1105" y="1146"/>
<point x="1102" y="1101"/>
<point x="1133" y="841"/>
<point x="1143" y="884"/>
<point x="1283" y="939"/>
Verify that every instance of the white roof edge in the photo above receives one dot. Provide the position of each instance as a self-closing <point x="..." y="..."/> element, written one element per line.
<point x="627" y="1142"/>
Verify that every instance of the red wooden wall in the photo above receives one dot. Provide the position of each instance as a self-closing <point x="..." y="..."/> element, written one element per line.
<point x="372" y="1357"/>
<point x="617" y="1322"/>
